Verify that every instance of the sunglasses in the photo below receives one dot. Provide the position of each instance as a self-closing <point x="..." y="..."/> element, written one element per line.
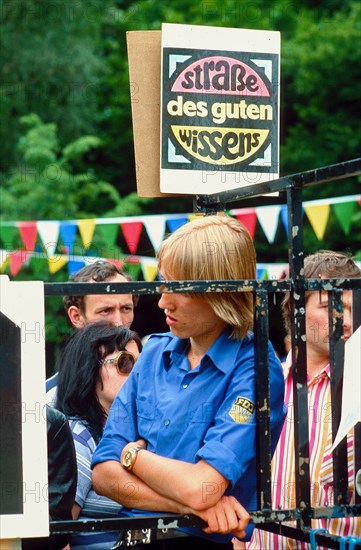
<point x="123" y="362"/>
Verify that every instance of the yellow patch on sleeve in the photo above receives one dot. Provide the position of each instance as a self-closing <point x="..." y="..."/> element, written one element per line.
<point x="242" y="410"/>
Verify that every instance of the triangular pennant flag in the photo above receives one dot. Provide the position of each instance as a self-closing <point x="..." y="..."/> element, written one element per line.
<point x="109" y="232"/>
<point x="8" y="234"/>
<point x="68" y="233"/>
<point x="276" y="271"/>
<point x="86" y="230"/>
<point x="36" y="265"/>
<point x="133" y="269"/>
<point x="192" y="217"/>
<point x="149" y="268"/>
<point x="118" y="263"/>
<point x="249" y="220"/>
<point x="75" y="265"/>
<point x="28" y="232"/>
<point x="176" y="223"/>
<point x="49" y="234"/>
<point x="17" y="259"/>
<point x="155" y="227"/>
<point x="132" y="232"/>
<point x="318" y="217"/>
<point x="344" y="212"/>
<point x="268" y="217"/>
<point x="260" y="273"/>
<point x="55" y="263"/>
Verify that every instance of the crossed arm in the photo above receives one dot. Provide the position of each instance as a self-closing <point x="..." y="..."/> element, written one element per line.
<point x="159" y="483"/>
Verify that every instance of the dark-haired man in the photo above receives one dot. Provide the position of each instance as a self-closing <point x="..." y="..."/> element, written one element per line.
<point x="117" y="309"/>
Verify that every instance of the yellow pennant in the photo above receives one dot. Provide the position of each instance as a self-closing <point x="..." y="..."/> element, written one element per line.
<point x="318" y="217"/>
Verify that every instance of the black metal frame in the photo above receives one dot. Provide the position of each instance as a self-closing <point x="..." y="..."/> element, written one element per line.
<point x="265" y="517"/>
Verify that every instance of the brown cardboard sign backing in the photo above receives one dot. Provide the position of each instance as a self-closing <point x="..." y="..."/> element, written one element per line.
<point x="144" y="56"/>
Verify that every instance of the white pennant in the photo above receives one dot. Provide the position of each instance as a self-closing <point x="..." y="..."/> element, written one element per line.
<point x="276" y="271"/>
<point x="268" y="218"/>
<point x="49" y="234"/>
<point x="155" y="227"/>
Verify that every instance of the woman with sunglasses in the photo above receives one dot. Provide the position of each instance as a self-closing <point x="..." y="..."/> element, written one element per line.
<point x="95" y="364"/>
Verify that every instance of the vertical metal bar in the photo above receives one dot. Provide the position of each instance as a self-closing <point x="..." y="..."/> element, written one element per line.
<point x="261" y="330"/>
<point x="335" y="315"/>
<point x="356" y="322"/>
<point x="299" y="359"/>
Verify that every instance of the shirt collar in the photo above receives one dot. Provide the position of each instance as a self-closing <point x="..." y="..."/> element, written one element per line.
<point x="325" y="372"/>
<point x="223" y="361"/>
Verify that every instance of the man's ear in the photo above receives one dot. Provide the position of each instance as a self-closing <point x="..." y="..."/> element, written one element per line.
<point x="76" y="317"/>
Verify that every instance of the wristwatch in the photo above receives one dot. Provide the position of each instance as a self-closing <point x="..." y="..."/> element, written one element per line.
<point x="130" y="457"/>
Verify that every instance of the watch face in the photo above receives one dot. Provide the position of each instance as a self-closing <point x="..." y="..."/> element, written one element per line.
<point x="128" y="458"/>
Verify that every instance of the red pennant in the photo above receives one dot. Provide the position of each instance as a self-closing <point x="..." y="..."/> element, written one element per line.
<point x="118" y="263"/>
<point x="249" y="220"/>
<point x="132" y="232"/>
<point x="28" y="232"/>
<point x="17" y="260"/>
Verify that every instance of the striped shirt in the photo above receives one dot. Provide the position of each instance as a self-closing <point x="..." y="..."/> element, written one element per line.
<point x="321" y="469"/>
<point x="93" y="506"/>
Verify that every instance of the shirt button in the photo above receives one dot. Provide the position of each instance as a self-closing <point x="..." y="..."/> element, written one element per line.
<point x="185" y="386"/>
<point x="166" y="422"/>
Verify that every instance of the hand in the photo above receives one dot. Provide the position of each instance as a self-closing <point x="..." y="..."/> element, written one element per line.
<point x="139" y="443"/>
<point x="227" y="516"/>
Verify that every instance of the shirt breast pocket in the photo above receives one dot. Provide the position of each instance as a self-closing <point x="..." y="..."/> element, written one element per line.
<point x="205" y="414"/>
<point x="146" y="413"/>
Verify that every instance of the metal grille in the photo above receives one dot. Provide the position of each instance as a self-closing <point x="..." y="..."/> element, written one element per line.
<point x="265" y="517"/>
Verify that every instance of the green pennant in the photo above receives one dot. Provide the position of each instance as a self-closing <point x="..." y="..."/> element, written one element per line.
<point x="344" y="212"/>
<point x="8" y="235"/>
<point x="38" y="266"/>
<point x="109" y="233"/>
<point x="133" y="270"/>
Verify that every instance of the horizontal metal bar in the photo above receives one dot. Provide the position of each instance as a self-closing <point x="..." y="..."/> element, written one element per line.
<point x="174" y="521"/>
<point x="302" y="179"/>
<point x="140" y="287"/>
<point x="167" y="521"/>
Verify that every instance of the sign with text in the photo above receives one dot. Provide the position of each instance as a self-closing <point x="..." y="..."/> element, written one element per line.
<point x="219" y="108"/>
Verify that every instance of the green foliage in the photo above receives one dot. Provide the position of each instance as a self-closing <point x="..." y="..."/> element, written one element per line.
<point x="322" y="73"/>
<point x="51" y="63"/>
<point x="46" y="187"/>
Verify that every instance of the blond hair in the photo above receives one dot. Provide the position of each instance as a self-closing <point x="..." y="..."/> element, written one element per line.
<point x="214" y="248"/>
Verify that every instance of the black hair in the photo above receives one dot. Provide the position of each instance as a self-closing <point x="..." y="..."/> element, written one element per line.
<point x="79" y="371"/>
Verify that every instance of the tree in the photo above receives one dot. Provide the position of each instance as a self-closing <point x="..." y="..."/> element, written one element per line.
<point x="51" y="64"/>
<point x="322" y="77"/>
<point x="46" y="185"/>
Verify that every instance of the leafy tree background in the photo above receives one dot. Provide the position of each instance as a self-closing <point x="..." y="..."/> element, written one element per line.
<point x="65" y="121"/>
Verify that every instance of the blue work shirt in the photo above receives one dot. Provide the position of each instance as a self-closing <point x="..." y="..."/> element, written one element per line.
<point x="205" y="413"/>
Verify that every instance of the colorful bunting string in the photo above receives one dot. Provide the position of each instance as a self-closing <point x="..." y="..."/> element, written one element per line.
<point x="42" y="239"/>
